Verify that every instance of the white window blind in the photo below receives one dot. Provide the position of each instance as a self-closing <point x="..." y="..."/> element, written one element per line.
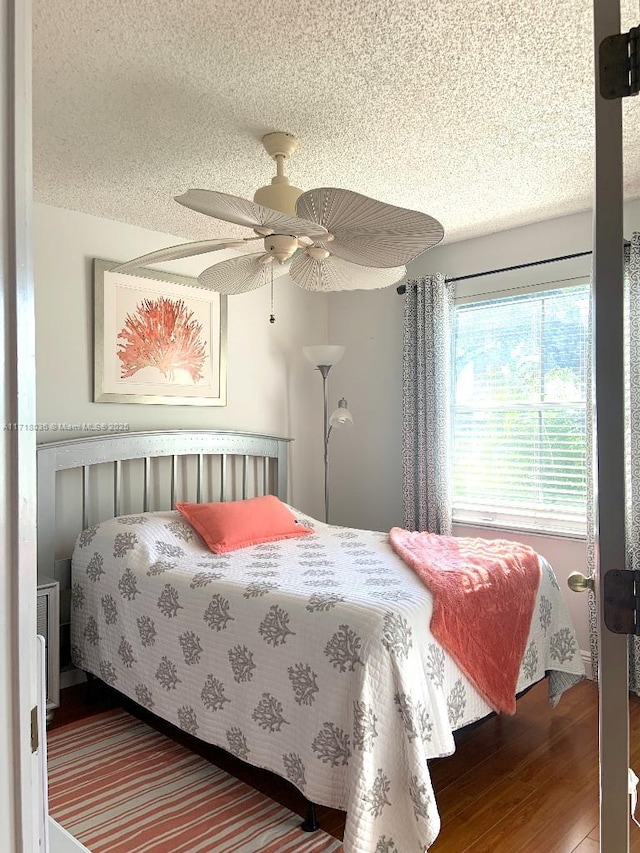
<point x="518" y="413"/>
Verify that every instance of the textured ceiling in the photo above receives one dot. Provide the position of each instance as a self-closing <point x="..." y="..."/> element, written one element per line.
<point x="478" y="112"/>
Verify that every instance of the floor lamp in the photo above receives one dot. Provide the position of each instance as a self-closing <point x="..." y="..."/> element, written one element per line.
<point x="323" y="358"/>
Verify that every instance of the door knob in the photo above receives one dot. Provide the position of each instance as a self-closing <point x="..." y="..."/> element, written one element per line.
<point x="579" y="583"/>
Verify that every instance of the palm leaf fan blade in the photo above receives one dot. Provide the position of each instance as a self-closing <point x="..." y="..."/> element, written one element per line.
<point x="240" y="275"/>
<point x="250" y="214"/>
<point x="369" y="232"/>
<point x="332" y="274"/>
<point x="184" y="250"/>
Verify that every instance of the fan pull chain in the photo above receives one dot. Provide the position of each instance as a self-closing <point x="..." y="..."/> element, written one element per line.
<point x="272" y="316"/>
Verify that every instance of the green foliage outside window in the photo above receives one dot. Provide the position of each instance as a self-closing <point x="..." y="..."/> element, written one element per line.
<point x="519" y="394"/>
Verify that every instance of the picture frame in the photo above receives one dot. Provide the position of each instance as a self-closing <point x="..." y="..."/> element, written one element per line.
<point x="159" y="338"/>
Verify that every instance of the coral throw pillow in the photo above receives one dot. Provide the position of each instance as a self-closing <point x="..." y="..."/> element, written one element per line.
<point x="237" y="524"/>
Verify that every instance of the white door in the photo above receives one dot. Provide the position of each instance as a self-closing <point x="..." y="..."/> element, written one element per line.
<point x="608" y="316"/>
<point x="20" y="788"/>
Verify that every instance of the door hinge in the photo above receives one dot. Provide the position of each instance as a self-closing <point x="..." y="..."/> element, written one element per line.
<point x="622" y="601"/>
<point x="35" y="742"/>
<point x="620" y="65"/>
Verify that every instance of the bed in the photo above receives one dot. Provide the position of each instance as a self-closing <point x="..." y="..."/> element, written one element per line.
<point x="309" y="656"/>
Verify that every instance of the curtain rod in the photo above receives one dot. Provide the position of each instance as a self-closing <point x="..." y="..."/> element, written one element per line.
<point x="401" y="288"/>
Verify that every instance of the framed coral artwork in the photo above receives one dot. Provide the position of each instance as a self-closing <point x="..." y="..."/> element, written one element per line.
<point x="159" y="338"/>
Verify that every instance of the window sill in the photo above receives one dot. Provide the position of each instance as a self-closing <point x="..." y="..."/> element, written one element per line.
<point x="520" y="528"/>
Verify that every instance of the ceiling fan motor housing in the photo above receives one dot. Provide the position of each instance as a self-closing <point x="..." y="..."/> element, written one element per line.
<point x="279" y="195"/>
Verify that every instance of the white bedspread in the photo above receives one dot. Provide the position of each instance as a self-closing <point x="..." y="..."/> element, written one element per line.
<point x="311" y="657"/>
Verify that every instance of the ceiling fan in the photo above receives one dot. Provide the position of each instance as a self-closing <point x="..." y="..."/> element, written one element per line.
<point x="327" y="239"/>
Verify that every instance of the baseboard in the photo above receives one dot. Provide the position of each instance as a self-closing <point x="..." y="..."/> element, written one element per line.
<point x="71" y="676"/>
<point x="62" y="841"/>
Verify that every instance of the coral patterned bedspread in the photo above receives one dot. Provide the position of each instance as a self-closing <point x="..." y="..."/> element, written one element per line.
<point x="311" y="657"/>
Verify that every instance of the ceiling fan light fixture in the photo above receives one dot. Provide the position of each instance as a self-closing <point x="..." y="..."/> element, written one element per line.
<point x="318" y="253"/>
<point x="280" y="246"/>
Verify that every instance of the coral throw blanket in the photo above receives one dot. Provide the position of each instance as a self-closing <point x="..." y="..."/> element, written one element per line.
<point x="484" y="592"/>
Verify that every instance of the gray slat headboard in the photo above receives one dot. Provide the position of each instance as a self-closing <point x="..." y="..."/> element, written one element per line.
<point x="268" y="452"/>
<point x="83" y="481"/>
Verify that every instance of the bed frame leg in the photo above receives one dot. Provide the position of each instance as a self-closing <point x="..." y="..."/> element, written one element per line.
<point x="310" y="823"/>
<point x="91" y="690"/>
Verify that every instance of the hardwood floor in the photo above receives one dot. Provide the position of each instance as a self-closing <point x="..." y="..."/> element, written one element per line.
<point x="522" y="784"/>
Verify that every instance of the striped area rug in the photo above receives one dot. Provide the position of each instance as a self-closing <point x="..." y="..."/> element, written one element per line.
<point x="119" y="786"/>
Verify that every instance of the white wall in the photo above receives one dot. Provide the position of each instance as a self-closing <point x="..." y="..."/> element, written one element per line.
<point x="366" y="467"/>
<point x="271" y="386"/>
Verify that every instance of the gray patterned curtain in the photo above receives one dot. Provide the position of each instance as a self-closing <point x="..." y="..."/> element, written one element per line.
<point x="428" y="311"/>
<point x="632" y="456"/>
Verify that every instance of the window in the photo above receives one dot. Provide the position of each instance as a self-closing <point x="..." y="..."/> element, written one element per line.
<point x="518" y="413"/>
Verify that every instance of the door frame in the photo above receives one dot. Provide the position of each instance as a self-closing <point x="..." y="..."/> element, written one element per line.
<point x="608" y="304"/>
<point x="20" y="789"/>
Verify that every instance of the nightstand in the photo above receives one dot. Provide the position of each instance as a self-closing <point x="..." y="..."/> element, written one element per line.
<point x="48" y="620"/>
